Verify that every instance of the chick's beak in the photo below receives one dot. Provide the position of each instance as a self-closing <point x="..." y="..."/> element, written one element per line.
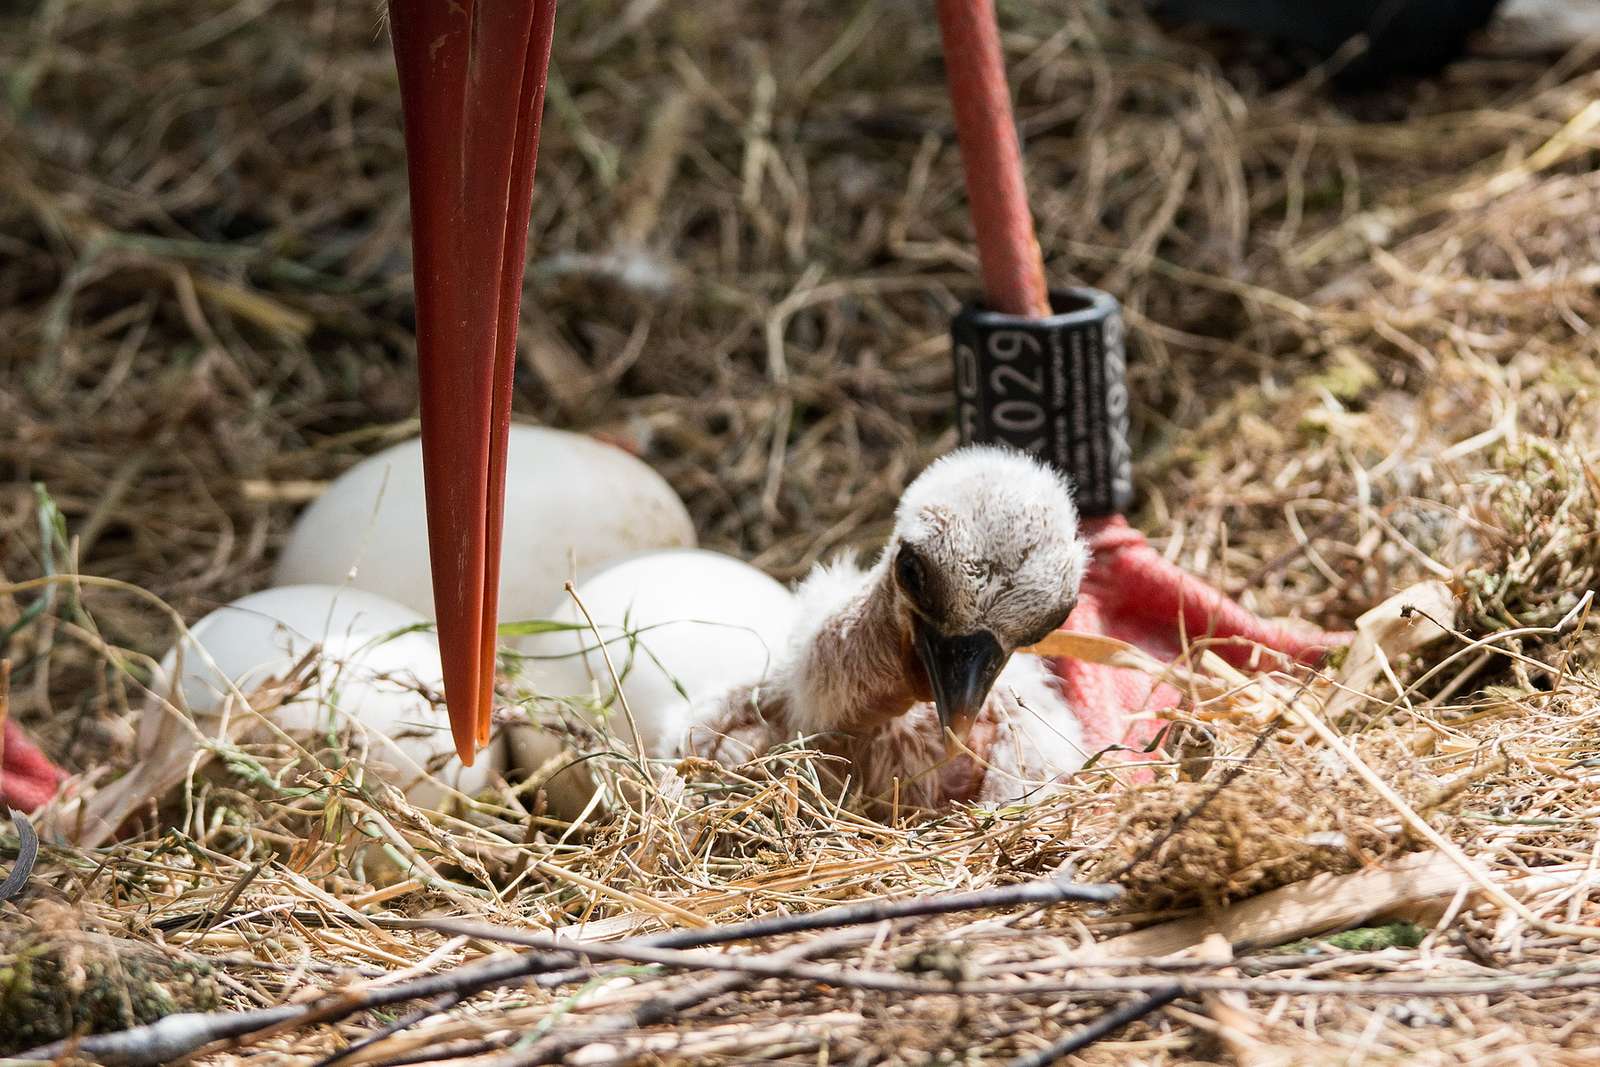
<point x="961" y="671"/>
<point x="472" y="79"/>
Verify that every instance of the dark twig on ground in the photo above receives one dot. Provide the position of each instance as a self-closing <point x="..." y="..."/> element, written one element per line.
<point x="661" y="1008"/>
<point x="181" y="1034"/>
<point x="27" y="855"/>
<point x="1104" y="1026"/>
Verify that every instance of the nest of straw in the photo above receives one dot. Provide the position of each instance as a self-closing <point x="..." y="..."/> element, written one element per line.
<point x="1360" y="358"/>
<point x="1276" y="816"/>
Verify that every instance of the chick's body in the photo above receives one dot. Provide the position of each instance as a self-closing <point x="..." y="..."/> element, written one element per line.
<point x="985" y="559"/>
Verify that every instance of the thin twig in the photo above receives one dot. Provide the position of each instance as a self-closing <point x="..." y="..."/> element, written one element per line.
<point x="405" y="1022"/>
<point x="1104" y="1026"/>
<point x="27" y="854"/>
<point x="660" y="1008"/>
<point x="179" y="1035"/>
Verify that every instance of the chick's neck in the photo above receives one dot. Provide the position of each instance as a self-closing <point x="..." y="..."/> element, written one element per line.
<point x="861" y="669"/>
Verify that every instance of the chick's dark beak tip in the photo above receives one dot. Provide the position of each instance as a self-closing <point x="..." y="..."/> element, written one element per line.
<point x="961" y="671"/>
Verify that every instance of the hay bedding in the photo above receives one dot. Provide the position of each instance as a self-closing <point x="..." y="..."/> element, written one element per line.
<point x="1362" y="355"/>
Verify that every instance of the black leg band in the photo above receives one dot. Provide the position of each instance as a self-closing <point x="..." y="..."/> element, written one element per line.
<point x="1055" y="388"/>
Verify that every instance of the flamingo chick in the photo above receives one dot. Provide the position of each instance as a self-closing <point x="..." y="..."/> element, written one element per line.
<point x="886" y="663"/>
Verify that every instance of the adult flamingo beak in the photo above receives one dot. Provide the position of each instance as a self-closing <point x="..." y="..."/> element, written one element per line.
<point x="472" y="80"/>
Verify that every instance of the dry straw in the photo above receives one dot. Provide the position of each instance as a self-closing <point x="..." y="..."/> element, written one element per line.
<point x="1363" y="360"/>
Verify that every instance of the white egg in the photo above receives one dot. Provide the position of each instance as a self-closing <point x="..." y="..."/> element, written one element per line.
<point x="571" y="502"/>
<point x="370" y="670"/>
<point x="680" y="626"/>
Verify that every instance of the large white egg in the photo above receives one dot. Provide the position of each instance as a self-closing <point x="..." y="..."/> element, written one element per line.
<point x="373" y="671"/>
<point x="571" y="502"/>
<point x="680" y="626"/>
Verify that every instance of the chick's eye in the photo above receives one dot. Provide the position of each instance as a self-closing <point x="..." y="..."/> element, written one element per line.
<point x="909" y="572"/>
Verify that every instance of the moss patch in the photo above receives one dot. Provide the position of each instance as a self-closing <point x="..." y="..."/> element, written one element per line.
<point x="1365" y="939"/>
<point x="63" y="983"/>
